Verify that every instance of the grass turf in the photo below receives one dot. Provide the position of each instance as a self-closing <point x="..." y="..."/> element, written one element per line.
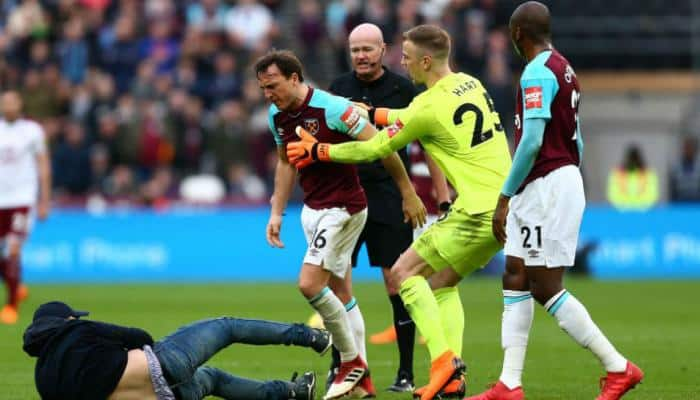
<point x="655" y="324"/>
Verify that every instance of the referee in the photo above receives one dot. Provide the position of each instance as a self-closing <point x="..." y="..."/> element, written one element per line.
<point x="385" y="234"/>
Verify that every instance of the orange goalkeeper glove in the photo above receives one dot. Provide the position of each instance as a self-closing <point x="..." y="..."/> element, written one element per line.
<point x="307" y="150"/>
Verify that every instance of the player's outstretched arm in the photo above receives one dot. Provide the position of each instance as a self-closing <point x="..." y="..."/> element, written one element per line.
<point x="285" y="174"/>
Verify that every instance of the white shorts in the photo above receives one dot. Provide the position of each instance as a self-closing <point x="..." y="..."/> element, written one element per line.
<point x="544" y="219"/>
<point x="429" y="220"/>
<point x="331" y="234"/>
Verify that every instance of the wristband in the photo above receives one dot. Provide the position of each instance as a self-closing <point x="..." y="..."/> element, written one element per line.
<point x="320" y="152"/>
<point x="380" y="116"/>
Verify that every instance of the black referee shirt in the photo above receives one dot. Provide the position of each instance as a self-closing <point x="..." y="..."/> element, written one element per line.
<point x="393" y="91"/>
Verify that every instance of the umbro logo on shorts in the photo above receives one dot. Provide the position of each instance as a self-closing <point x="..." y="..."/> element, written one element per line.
<point x="533" y="253"/>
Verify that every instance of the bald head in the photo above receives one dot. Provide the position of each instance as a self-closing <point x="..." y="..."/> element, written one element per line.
<point x="366" y="51"/>
<point x="366" y="33"/>
<point x="532" y="19"/>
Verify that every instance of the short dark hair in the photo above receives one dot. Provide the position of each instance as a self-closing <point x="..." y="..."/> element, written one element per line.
<point x="431" y="38"/>
<point x="285" y="60"/>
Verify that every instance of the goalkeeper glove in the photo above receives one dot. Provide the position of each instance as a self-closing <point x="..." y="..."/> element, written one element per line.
<point x="307" y="150"/>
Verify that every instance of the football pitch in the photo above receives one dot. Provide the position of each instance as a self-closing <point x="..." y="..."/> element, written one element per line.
<point x="656" y="324"/>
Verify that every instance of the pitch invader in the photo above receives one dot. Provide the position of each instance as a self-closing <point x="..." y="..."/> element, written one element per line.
<point x="335" y="207"/>
<point x="545" y="192"/>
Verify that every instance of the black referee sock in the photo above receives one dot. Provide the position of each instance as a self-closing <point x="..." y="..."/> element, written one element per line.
<point x="405" y="335"/>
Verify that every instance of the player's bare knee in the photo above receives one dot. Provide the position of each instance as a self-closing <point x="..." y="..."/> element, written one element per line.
<point x="310" y="288"/>
<point x="515" y="275"/>
<point x="445" y="278"/>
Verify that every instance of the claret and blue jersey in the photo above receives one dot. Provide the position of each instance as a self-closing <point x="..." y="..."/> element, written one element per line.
<point x="548" y="96"/>
<point x="331" y="119"/>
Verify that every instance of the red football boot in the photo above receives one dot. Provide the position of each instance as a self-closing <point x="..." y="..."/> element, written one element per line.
<point x="349" y="375"/>
<point x="616" y="384"/>
<point x="500" y="391"/>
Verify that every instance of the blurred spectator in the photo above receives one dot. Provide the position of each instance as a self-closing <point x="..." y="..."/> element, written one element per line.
<point x="242" y="183"/>
<point x="157" y="191"/>
<point x="155" y="145"/>
<point x="39" y="55"/>
<point x="250" y="25"/>
<point x="73" y="51"/>
<point x="40" y="100"/>
<point x="187" y="132"/>
<point x="71" y="162"/>
<point x="685" y="175"/>
<point x="121" y="184"/>
<point x="632" y="185"/>
<point x="207" y="15"/>
<point x="27" y="19"/>
<point x="227" y="142"/>
<point x="101" y="102"/>
<point x="310" y="31"/>
<point x="498" y="78"/>
<point x="472" y="40"/>
<point x="225" y="83"/>
<point x="160" y="46"/>
<point x="99" y="168"/>
<point x="120" y="57"/>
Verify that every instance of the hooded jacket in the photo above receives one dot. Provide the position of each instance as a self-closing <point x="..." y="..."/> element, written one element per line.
<point x="80" y="359"/>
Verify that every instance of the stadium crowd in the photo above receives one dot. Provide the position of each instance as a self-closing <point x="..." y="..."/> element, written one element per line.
<point x="136" y="95"/>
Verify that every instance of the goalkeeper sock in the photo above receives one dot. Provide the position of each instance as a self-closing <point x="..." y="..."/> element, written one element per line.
<point x="357" y="326"/>
<point x="452" y="316"/>
<point x="335" y="319"/>
<point x="421" y="304"/>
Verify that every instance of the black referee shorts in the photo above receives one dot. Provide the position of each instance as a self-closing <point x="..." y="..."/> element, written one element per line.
<point x="385" y="243"/>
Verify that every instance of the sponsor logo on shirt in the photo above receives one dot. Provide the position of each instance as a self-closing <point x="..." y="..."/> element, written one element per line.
<point x="350" y="118"/>
<point x="311" y="125"/>
<point x="533" y="97"/>
<point x="394" y="128"/>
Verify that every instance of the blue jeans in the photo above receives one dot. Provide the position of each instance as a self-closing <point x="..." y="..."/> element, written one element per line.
<point x="183" y="353"/>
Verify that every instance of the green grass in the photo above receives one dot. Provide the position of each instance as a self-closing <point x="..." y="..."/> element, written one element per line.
<point x="655" y="324"/>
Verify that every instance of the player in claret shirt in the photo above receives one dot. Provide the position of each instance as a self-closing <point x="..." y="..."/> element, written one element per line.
<point x="545" y="193"/>
<point x="335" y="207"/>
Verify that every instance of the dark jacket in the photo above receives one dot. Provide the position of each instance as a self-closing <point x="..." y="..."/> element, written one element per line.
<point x="393" y="91"/>
<point x="80" y="359"/>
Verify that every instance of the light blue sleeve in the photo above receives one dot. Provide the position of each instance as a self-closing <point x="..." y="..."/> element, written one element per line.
<point x="525" y="155"/>
<point x="271" y="124"/>
<point x="539" y="86"/>
<point x="341" y="115"/>
<point x="579" y="143"/>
